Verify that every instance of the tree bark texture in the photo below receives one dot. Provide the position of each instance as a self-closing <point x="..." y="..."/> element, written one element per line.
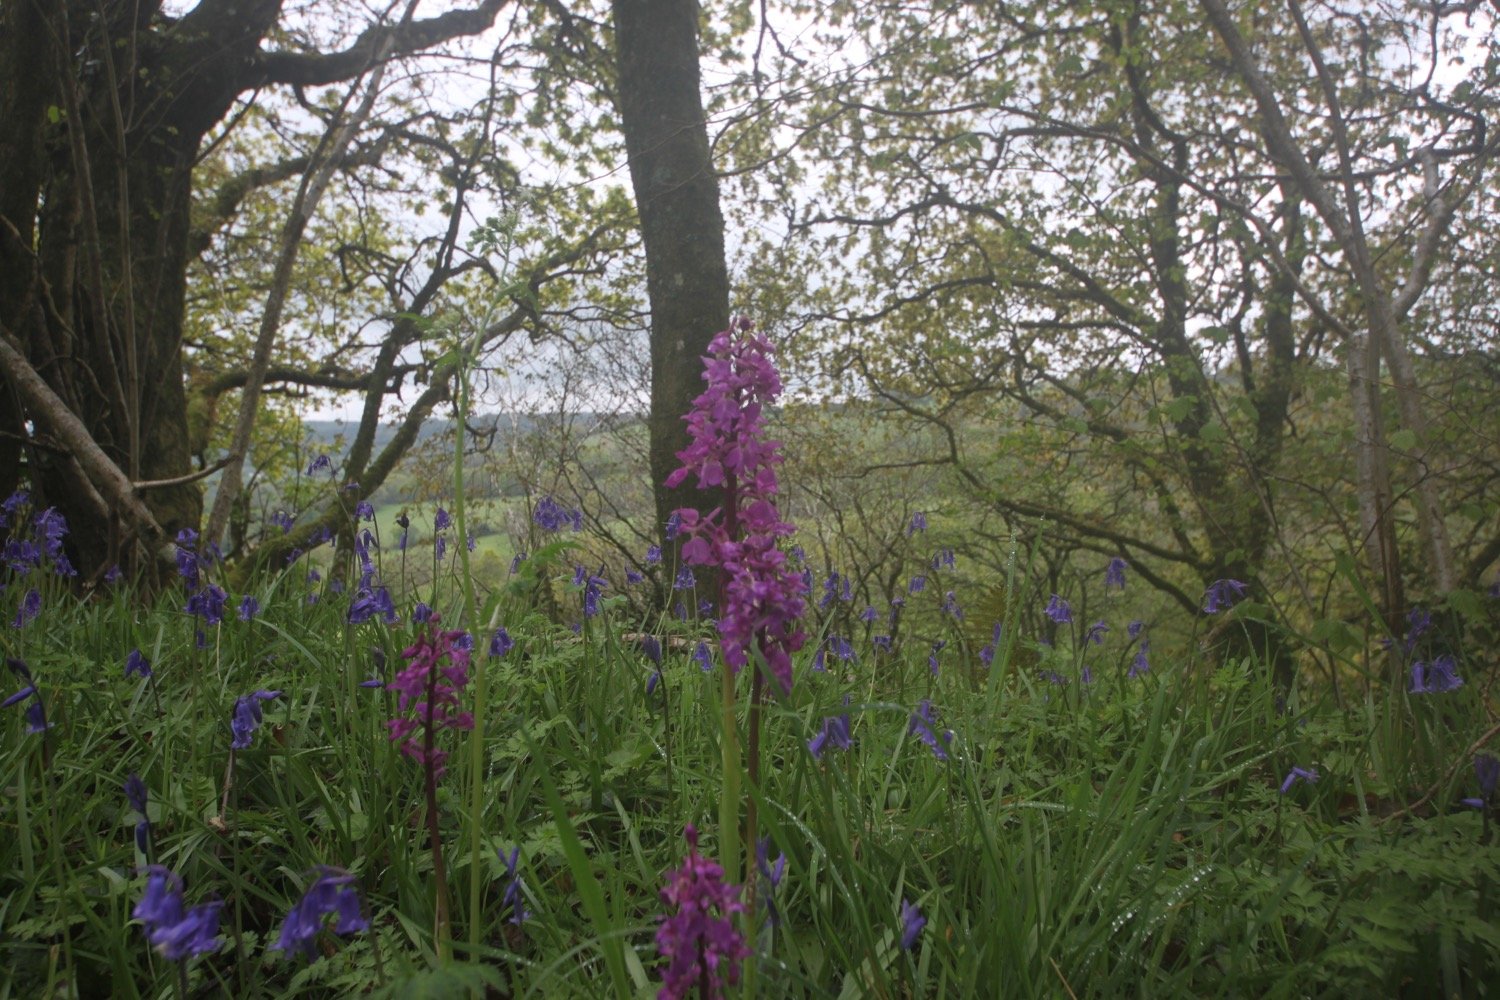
<point x="677" y="198"/>
<point x="106" y="107"/>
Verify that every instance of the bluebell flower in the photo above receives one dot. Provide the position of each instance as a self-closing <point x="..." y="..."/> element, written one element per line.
<point x="283" y="520"/>
<point x="368" y="604"/>
<point x="249" y="608"/>
<point x="881" y="643"/>
<point x="651" y="646"/>
<point x="322" y="463"/>
<point x="912" y="923"/>
<point x="513" y="898"/>
<point x="501" y="642"/>
<point x="331" y="893"/>
<point x="1058" y="610"/>
<point x="1095" y="634"/>
<point x="923" y="724"/>
<point x="552" y="516"/>
<point x="917" y="585"/>
<point x="932" y="655"/>
<point x="19" y="696"/>
<point x="136" y="795"/>
<point x="703" y="657"/>
<point x="136" y="664"/>
<point x="918" y="523"/>
<point x="632" y="577"/>
<point x="944" y="559"/>
<point x="1221" y="595"/>
<point x="1309" y="775"/>
<point x="685" y="579"/>
<point x="208" y="603"/>
<point x="174" y="932"/>
<point x="113" y="575"/>
<point x="1114" y="574"/>
<point x="440" y="546"/>
<point x="834" y="735"/>
<point x="1141" y="663"/>
<point x="364" y="510"/>
<point x="950" y="606"/>
<point x="653" y="555"/>
<point x="30" y="607"/>
<point x="869" y="614"/>
<point x="1436" y="677"/>
<point x="773" y="874"/>
<point x="421" y="613"/>
<point x="673" y="526"/>
<point x="1134" y="628"/>
<point x="246" y="718"/>
<point x="652" y="682"/>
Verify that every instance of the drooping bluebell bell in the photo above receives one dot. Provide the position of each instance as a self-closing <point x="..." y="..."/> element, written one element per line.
<point x="912" y="923"/>
<point x="1058" y="610"/>
<point x="421" y="613"/>
<point x="15" y="699"/>
<point x="551" y="516"/>
<point x="114" y="574"/>
<point x="281" y="519"/>
<point x="1141" y="663"/>
<point x="332" y="892"/>
<point x="943" y="558"/>
<point x="501" y="642"/>
<point x="513" y="899"/>
<point x="173" y="930"/>
<point x="882" y="643"/>
<point x="835" y="735"/>
<point x="772" y="873"/>
<point x="924" y="724"/>
<point x="917" y="585"/>
<point x="632" y="577"/>
<point x="249" y="608"/>
<point x="1095" y="634"/>
<point x="685" y="579"/>
<point x="703" y="657"/>
<point x="368" y="604"/>
<point x="208" y="603"/>
<point x="136" y="664"/>
<point x="651" y="646"/>
<point x="1114" y="574"/>
<point x="932" y="655"/>
<point x="869" y="614"/>
<point x="29" y="608"/>
<point x="917" y="523"/>
<point x="136" y="796"/>
<point x="246" y="718"/>
<point x="987" y="654"/>
<point x="673" y="526"/>
<point x="1296" y="774"/>
<point x="1222" y="594"/>
<point x="364" y="510"/>
<point x="321" y="463"/>
<point x="1436" y="677"/>
<point x="950" y="606"/>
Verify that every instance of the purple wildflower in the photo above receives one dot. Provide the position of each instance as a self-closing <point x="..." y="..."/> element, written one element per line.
<point x="1437" y="677"/>
<point x="1059" y="610"/>
<point x="249" y="608"/>
<point x="918" y="523"/>
<point x="437" y="670"/>
<point x="697" y="938"/>
<point x="1114" y="574"/>
<point x="1095" y="634"/>
<point x="932" y="655"/>
<point x="136" y="796"/>
<point x="1134" y="628"/>
<point x="651" y="646"/>
<point x="368" y="604"/>
<point x="673" y="526"/>
<point x="30" y="607"/>
<point x="912" y="923"/>
<point x="512" y="897"/>
<point x="331" y="893"/>
<point x="924" y="724"/>
<point x="501" y="642"/>
<point x="703" y="657"/>
<point x="246" y="718"/>
<point x="685" y="579"/>
<point x="322" y="463"/>
<point x="773" y="874"/>
<point x="834" y="735"/>
<point x="1140" y="664"/>
<point x="762" y="598"/>
<point x="208" y="603"/>
<point x="552" y="516"/>
<point x="174" y="932"/>
<point x="1221" y="595"/>
<point x="282" y="520"/>
<point x="950" y="606"/>
<point x="1309" y="775"/>
<point x="114" y="574"/>
<point x="137" y="664"/>
<point x="917" y="585"/>
<point x="869" y="614"/>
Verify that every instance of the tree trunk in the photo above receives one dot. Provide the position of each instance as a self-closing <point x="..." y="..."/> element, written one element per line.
<point x="677" y="198"/>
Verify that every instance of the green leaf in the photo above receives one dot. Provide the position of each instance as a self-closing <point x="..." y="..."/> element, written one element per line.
<point x="1403" y="440"/>
<point x="443" y="983"/>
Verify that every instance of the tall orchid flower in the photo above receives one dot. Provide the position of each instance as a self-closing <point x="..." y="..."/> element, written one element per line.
<point x="761" y="598"/>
